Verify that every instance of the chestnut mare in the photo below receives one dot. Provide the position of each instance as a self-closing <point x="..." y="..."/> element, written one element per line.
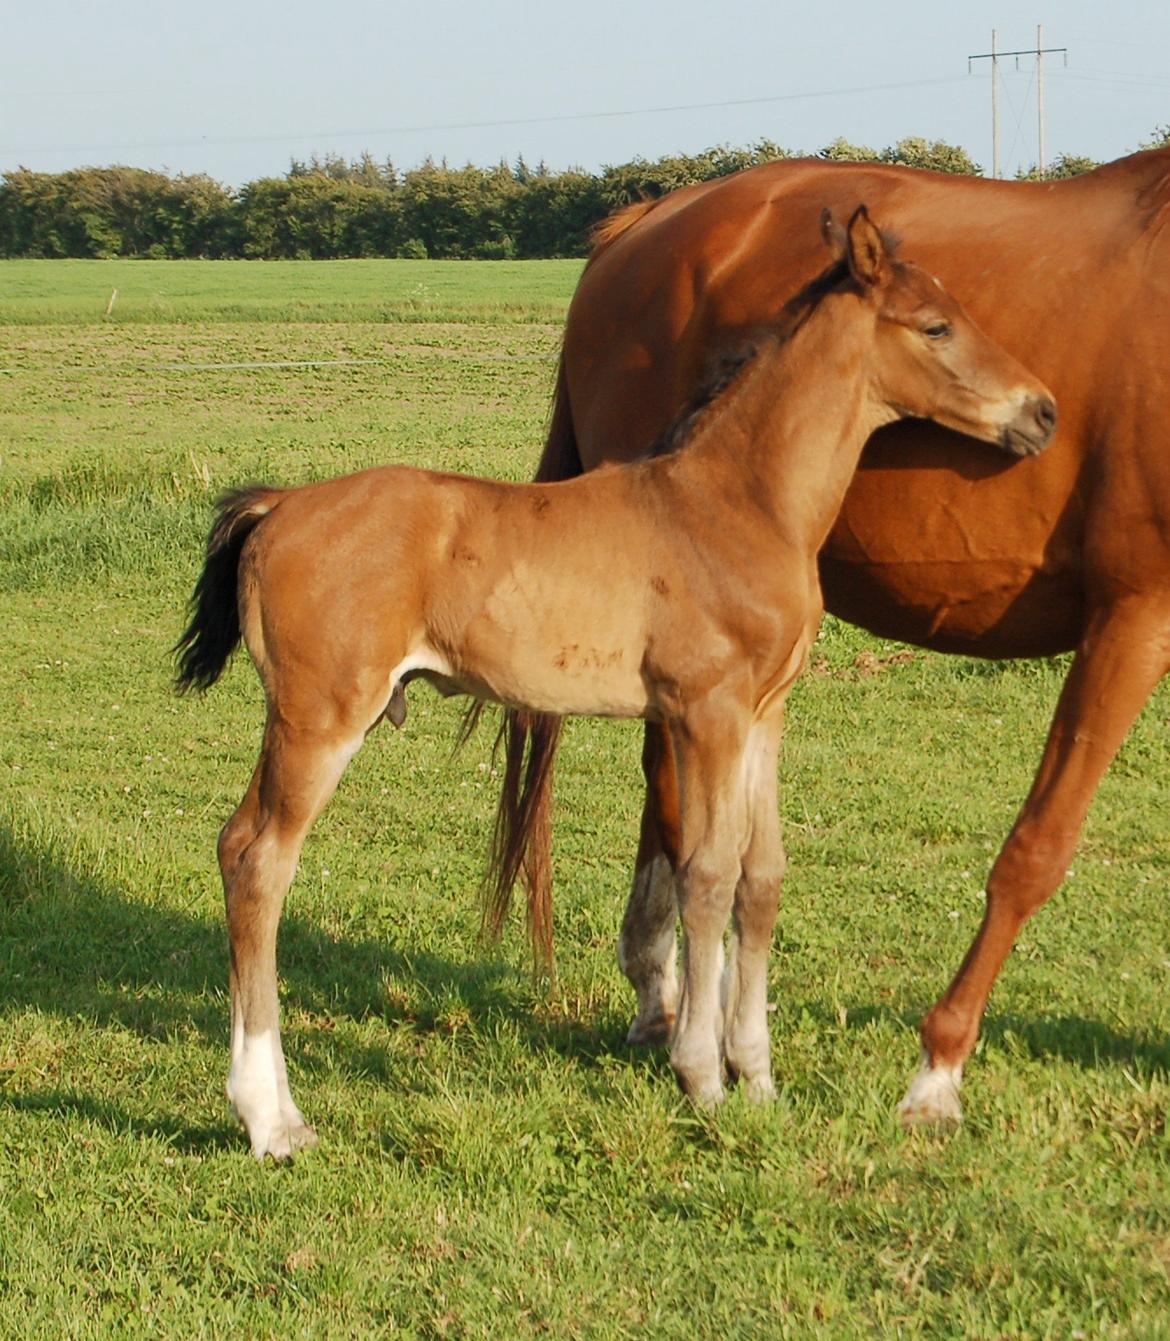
<point x="682" y="589"/>
<point x="935" y="544"/>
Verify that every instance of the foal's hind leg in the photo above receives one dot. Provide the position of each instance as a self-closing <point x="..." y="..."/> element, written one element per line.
<point x="258" y="851"/>
<point x="646" y="948"/>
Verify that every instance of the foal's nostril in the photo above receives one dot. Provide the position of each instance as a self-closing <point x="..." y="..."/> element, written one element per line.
<point x="1032" y="426"/>
<point x="1045" y="412"/>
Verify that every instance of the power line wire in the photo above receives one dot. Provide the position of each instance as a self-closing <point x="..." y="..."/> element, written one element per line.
<point x="1137" y="83"/>
<point x="207" y="140"/>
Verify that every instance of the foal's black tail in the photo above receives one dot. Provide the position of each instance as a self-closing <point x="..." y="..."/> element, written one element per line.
<point x="211" y="636"/>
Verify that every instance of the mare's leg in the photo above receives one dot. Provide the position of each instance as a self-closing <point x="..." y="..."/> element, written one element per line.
<point x="646" y="948"/>
<point x="757" y="898"/>
<point x="1124" y="652"/>
<point x="258" y="851"/>
<point x="708" y="748"/>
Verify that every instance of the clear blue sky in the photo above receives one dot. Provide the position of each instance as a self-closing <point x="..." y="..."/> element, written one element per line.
<point x="238" y="89"/>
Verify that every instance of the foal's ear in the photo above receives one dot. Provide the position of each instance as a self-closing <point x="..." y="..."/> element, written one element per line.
<point x="834" y="235"/>
<point x="866" y="250"/>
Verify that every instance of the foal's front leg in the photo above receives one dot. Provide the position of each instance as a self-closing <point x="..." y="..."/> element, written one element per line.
<point x="708" y="749"/>
<point x="757" y="897"/>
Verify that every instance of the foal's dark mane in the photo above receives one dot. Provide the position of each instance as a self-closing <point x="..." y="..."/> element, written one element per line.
<point x="724" y="370"/>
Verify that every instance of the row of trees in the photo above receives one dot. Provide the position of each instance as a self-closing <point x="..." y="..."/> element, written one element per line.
<point x="332" y="207"/>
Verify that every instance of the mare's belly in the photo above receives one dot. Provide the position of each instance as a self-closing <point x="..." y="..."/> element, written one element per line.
<point x="952" y="545"/>
<point x="979" y="609"/>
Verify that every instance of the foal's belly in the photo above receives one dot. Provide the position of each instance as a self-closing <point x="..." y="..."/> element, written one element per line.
<point x="556" y="648"/>
<point x="574" y="680"/>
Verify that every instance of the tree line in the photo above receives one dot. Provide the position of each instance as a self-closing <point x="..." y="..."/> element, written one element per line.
<point x="330" y="207"/>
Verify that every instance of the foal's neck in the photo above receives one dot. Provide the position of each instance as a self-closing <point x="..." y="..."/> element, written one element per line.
<point x="788" y="435"/>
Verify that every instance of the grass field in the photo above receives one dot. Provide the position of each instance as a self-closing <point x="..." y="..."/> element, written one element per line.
<point x="37" y="293"/>
<point x="495" y="1162"/>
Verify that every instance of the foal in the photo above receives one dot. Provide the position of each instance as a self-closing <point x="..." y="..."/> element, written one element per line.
<point x="682" y="588"/>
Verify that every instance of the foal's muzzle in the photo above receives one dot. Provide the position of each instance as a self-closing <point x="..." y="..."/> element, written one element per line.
<point x="1034" y="424"/>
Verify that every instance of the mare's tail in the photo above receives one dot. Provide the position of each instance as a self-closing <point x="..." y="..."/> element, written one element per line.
<point x="522" y="839"/>
<point x="211" y="636"/>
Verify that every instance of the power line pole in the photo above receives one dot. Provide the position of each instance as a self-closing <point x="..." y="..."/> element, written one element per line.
<point x="1039" y="51"/>
<point x="1040" y="96"/>
<point x="994" y="107"/>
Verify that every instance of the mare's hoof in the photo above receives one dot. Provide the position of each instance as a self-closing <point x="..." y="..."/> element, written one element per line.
<point x="932" y="1101"/>
<point x="648" y="1031"/>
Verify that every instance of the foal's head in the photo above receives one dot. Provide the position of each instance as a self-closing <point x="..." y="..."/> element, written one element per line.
<point x="929" y="359"/>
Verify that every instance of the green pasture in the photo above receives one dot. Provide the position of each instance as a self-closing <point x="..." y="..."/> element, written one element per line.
<point x="494" y="1161"/>
<point x="36" y="293"/>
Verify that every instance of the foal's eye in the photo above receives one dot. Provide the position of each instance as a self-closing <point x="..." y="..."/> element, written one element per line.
<point x="937" y="331"/>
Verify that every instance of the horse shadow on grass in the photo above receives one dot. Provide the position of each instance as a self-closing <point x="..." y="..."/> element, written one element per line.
<point x="1085" y="1042"/>
<point x="176" y="1132"/>
<point x="74" y="946"/>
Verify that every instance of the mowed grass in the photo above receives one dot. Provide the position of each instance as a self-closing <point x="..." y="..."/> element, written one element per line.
<point x="494" y="1161"/>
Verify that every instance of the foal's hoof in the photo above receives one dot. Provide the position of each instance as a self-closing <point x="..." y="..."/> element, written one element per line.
<point x="708" y="1099"/>
<point x="706" y="1093"/>
<point x="932" y="1101"/>
<point x="650" y="1030"/>
<point x="759" y="1090"/>
<point x="284" y="1141"/>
